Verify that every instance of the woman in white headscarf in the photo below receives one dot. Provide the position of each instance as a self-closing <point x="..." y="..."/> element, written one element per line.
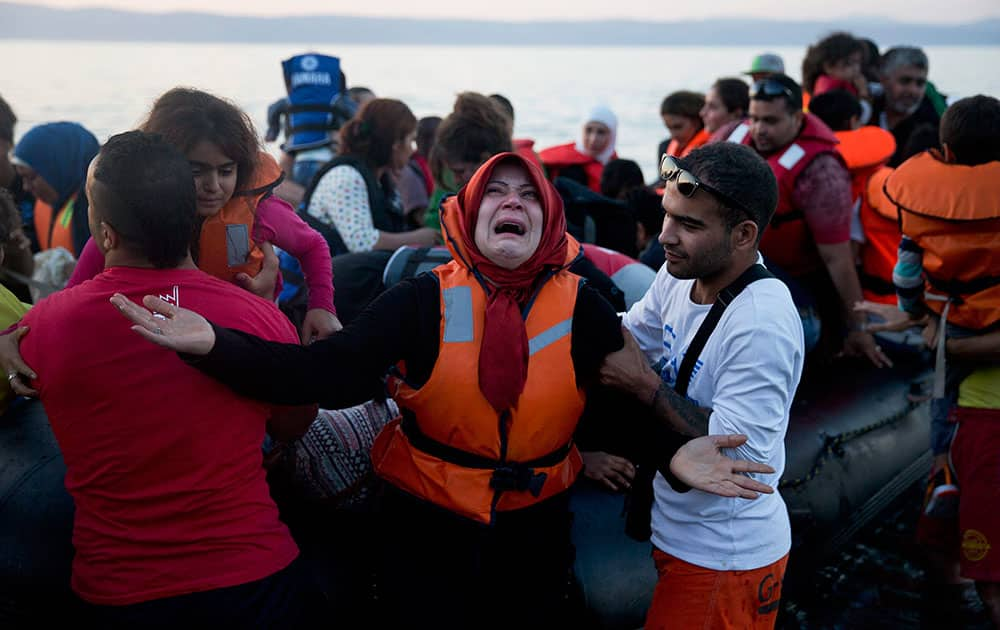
<point x="588" y="155"/>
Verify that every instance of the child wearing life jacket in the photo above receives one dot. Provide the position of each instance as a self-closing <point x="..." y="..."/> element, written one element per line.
<point x="233" y="180"/>
<point x="835" y="63"/>
<point x="681" y="113"/>
<point x="949" y="204"/>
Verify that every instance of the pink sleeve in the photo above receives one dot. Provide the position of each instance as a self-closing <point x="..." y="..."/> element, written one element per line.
<point x="90" y="264"/>
<point x="277" y="223"/>
<point x="823" y="192"/>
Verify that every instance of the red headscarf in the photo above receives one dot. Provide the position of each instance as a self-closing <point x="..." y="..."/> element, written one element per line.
<point x="503" y="356"/>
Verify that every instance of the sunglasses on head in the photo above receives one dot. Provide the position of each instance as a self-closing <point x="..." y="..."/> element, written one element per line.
<point x="766" y="89"/>
<point x="688" y="184"/>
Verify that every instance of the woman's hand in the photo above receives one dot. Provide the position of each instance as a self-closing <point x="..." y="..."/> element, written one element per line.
<point x="166" y="325"/>
<point x="611" y="471"/>
<point x="12" y="363"/>
<point x="263" y="284"/>
<point x="701" y="465"/>
<point x="318" y="324"/>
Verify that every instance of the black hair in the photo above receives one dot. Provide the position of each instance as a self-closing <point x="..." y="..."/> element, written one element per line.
<point x="426" y="131"/>
<point x="10" y="218"/>
<point x="971" y="129"/>
<point x="683" y="103"/>
<point x="357" y="92"/>
<point x="831" y="49"/>
<point x="836" y="108"/>
<point x="504" y="104"/>
<point x="792" y="99"/>
<point x="734" y="93"/>
<point x="923" y="137"/>
<point x="147" y="195"/>
<point x="870" y="67"/>
<point x="619" y="176"/>
<point x="7" y="121"/>
<point x="647" y="208"/>
<point x="740" y="173"/>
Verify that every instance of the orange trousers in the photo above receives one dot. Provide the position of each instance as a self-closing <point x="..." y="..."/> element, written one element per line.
<point x="692" y="597"/>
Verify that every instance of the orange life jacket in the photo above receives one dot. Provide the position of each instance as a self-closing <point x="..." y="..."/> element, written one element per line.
<point x="55" y="233"/>
<point x="953" y="213"/>
<point x="866" y="150"/>
<point x="698" y="140"/>
<point x="226" y="246"/>
<point x="451" y="448"/>
<point x="787" y="241"/>
<point x="559" y="157"/>
<point x="880" y="221"/>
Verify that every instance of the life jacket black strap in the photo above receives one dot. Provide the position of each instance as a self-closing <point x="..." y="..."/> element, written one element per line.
<point x="507" y="475"/>
<point x="877" y="285"/>
<point x="958" y="288"/>
<point x="780" y="219"/>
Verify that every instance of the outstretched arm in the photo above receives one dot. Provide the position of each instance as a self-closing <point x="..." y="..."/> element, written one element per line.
<point x="343" y="370"/>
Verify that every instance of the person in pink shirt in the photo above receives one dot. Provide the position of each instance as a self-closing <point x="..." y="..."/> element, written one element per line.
<point x="229" y="170"/>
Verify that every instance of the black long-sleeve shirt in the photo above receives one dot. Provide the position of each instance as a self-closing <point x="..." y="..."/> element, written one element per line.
<point x="401" y="324"/>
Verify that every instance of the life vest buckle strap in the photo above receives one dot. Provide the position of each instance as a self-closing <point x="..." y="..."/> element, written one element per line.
<point x="512" y="476"/>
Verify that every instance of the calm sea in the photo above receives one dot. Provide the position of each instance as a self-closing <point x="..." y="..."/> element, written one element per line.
<point x="109" y="86"/>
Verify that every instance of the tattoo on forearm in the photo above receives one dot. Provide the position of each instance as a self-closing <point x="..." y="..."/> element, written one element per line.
<point x="680" y="413"/>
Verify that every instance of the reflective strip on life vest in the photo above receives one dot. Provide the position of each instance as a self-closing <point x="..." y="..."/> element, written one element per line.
<point x="550" y="336"/>
<point x="458" y="325"/>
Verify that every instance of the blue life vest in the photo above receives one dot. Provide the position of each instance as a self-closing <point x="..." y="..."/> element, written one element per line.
<point x="316" y="103"/>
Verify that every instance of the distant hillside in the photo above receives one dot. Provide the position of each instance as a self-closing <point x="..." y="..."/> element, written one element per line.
<point x="22" y="21"/>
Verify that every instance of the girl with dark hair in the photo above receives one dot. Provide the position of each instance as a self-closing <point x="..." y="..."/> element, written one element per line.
<point x="835" y="63"/>
<point x="353" y="199"/>
<point x="681" y="113"/>
<point x="233" y="180"/>
<point x="727" y="100"/>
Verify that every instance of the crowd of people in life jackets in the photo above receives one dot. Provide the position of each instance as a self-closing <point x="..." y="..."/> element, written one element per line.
<point x="507" y="323"/>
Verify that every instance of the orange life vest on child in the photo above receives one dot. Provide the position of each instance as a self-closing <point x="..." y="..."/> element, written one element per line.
<point x="699" y="139"/>
<point x="226" y="246"/>
<point x="787" y="241"/>
<point x="58" y="232"/>
<point x="880" y="222"/>
<point x="865" y="151"/>
<point x="953" y="213"/>
<point x="451" y="448"/>
<point x="559" y="157"/>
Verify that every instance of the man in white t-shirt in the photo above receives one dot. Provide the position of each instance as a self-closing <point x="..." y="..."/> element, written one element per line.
<point x="720" y="560"/>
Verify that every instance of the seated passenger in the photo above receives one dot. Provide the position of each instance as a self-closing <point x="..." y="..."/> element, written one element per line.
<point x="594" y="149"/>
<point x="52" y="161"/>
<point x="353" y="201"/>
<point x="681" y="113"/>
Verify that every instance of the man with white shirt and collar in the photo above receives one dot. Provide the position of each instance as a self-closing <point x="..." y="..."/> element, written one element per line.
<point x="720" y="560"/>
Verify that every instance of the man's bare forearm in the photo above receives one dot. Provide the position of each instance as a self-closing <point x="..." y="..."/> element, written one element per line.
<point x="679" y="413"/>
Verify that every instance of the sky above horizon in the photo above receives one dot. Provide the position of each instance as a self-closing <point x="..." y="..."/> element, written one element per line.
<point x="927" y="11"/>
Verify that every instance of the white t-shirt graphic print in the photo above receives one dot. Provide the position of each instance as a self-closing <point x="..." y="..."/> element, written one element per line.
<point x="747" y="374"/>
